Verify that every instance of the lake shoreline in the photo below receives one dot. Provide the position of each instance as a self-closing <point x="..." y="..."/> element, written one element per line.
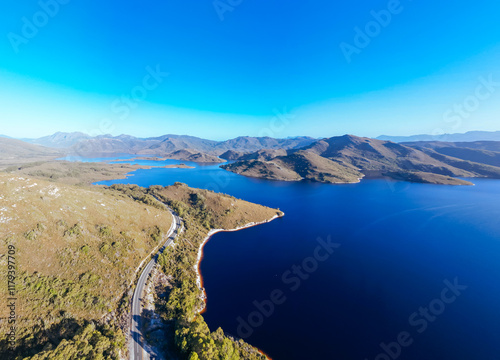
<point x="199" y="277"/>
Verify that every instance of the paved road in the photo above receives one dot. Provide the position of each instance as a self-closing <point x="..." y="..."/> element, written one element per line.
<point x="136" y="348"/>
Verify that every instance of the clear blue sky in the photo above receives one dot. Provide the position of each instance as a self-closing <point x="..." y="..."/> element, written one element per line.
<point x="230" y="70"/>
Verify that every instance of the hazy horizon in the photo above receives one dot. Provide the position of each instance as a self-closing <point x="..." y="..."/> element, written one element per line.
<point x="226" y="139"/>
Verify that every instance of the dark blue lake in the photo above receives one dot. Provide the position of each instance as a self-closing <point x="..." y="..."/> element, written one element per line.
<point x="414" y="273"/>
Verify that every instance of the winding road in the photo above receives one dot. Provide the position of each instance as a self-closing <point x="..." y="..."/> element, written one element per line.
<point x="136" y="346"/>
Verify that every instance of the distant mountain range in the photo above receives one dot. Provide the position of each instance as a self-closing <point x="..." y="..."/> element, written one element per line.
<point x="82" y="144"/>
<point x="340" y="159"/>
<point x="469" y="136"/>
<point x="485" y="152"/>
<point x="60" y="140"/>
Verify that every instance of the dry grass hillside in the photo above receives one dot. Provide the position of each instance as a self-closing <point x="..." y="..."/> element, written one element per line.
<point x="201" y="211"/>
<point x="269" y="170"/>
<point x="77" y="251"/>
<point x="232" y="155"/>
<point x="74" y="173"/>
<point x="194" y="156"/>
<point x="484" y="152"/>
<point x="301" y="165"/>
<point x="15" y="152"/>
<point x="223" y="211"/>
<point x="343" y="159"/>
<point x="76" y="254"/>
<point x="385" y="156"/>
<point x="264" y="155"/>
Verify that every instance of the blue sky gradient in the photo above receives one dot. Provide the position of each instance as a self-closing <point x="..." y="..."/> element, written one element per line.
<point x="232" y="68"/>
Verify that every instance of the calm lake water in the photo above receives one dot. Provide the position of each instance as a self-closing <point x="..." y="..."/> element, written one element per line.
<point x="414" y="274"/>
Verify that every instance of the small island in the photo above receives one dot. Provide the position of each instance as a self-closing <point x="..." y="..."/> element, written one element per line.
<point x="178" y="166"/>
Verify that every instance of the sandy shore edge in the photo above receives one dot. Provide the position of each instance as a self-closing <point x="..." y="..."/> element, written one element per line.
<point x="199" y="279"/>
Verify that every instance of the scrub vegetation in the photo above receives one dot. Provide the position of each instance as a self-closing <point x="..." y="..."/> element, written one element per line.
<point x="74" y="173"/>
<point x="201" y="211"/>
<point x="348" y="159"/>
<point x="78" y="249"/>
<point x="77" y="252"/>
